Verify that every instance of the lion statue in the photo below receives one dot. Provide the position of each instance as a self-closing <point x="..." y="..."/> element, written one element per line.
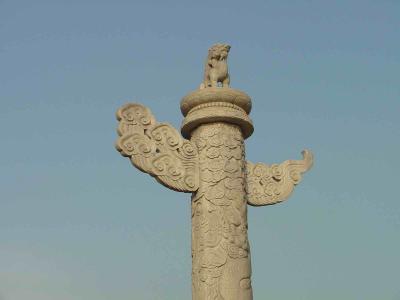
<point x="216" y="67"/>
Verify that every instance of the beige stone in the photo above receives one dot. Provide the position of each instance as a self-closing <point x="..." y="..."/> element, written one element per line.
<point x="216" y="67"/>
<point x="213" y="104"/>
<point x="209" y="162"/>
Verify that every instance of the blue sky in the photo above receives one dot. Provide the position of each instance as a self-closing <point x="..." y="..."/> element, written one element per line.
<point x="77" y="221"/>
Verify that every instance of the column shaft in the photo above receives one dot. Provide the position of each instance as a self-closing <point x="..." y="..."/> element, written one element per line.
<point x="221" y="267"/>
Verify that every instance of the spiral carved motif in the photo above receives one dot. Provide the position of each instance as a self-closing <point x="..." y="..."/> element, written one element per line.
<point x="271" y="184"/>
<point x="157" y="148"/>
<point x="212" y="166"/>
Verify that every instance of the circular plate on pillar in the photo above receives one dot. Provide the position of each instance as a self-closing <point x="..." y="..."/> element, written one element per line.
<point x="215" y="94"/>
<point x="216" y="104"/>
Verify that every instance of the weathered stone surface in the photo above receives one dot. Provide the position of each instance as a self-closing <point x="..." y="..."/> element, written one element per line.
<point x="271" y="184"/>
<point x="220" y="248"/>
<point x="216" y="105"/>
<point x="157" y="148"/>
<point x="216" y="67"/>
<point x="215" y="94"/>
<point x="209" y="162"/>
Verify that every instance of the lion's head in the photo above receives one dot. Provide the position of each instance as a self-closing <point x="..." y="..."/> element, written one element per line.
<point x="219" y="51"/>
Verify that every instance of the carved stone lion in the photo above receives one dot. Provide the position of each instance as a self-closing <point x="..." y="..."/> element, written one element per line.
<point x="216" y="67"/>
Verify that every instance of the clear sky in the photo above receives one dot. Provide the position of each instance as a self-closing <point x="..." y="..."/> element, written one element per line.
<point x="77" y="221"/>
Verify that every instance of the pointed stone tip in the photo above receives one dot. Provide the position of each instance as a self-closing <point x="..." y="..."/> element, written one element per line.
<point x="308" y="157"/>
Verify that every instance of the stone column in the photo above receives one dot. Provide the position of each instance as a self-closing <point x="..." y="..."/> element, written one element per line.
<point x="209" y="162"/>
<point x="221" y="267"/>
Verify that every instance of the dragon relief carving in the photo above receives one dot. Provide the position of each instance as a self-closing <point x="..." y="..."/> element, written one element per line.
<point x="157" y="148"/>
<point x="212" y="166"/>
<point x="220" y="247"/>
<point x="271" y="184"/>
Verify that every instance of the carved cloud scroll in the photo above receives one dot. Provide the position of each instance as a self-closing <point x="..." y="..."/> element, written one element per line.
<point x="271" y="184"/>
<point x="157" y="148"/>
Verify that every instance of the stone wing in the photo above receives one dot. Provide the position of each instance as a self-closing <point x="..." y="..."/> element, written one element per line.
<point x="157" y="148"/>
<point x="271" y="184"/>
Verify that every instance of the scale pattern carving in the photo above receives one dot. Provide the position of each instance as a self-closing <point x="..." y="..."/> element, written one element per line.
<point x="157" y="148"/>
<point x="220" y="247"/>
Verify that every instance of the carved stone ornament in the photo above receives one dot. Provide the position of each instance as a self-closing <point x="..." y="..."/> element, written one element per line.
<point x="271" y="184"/>
<point x="209" y="162"/>
<point x="157" y="148"/>
<point x="216" y="67"/>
